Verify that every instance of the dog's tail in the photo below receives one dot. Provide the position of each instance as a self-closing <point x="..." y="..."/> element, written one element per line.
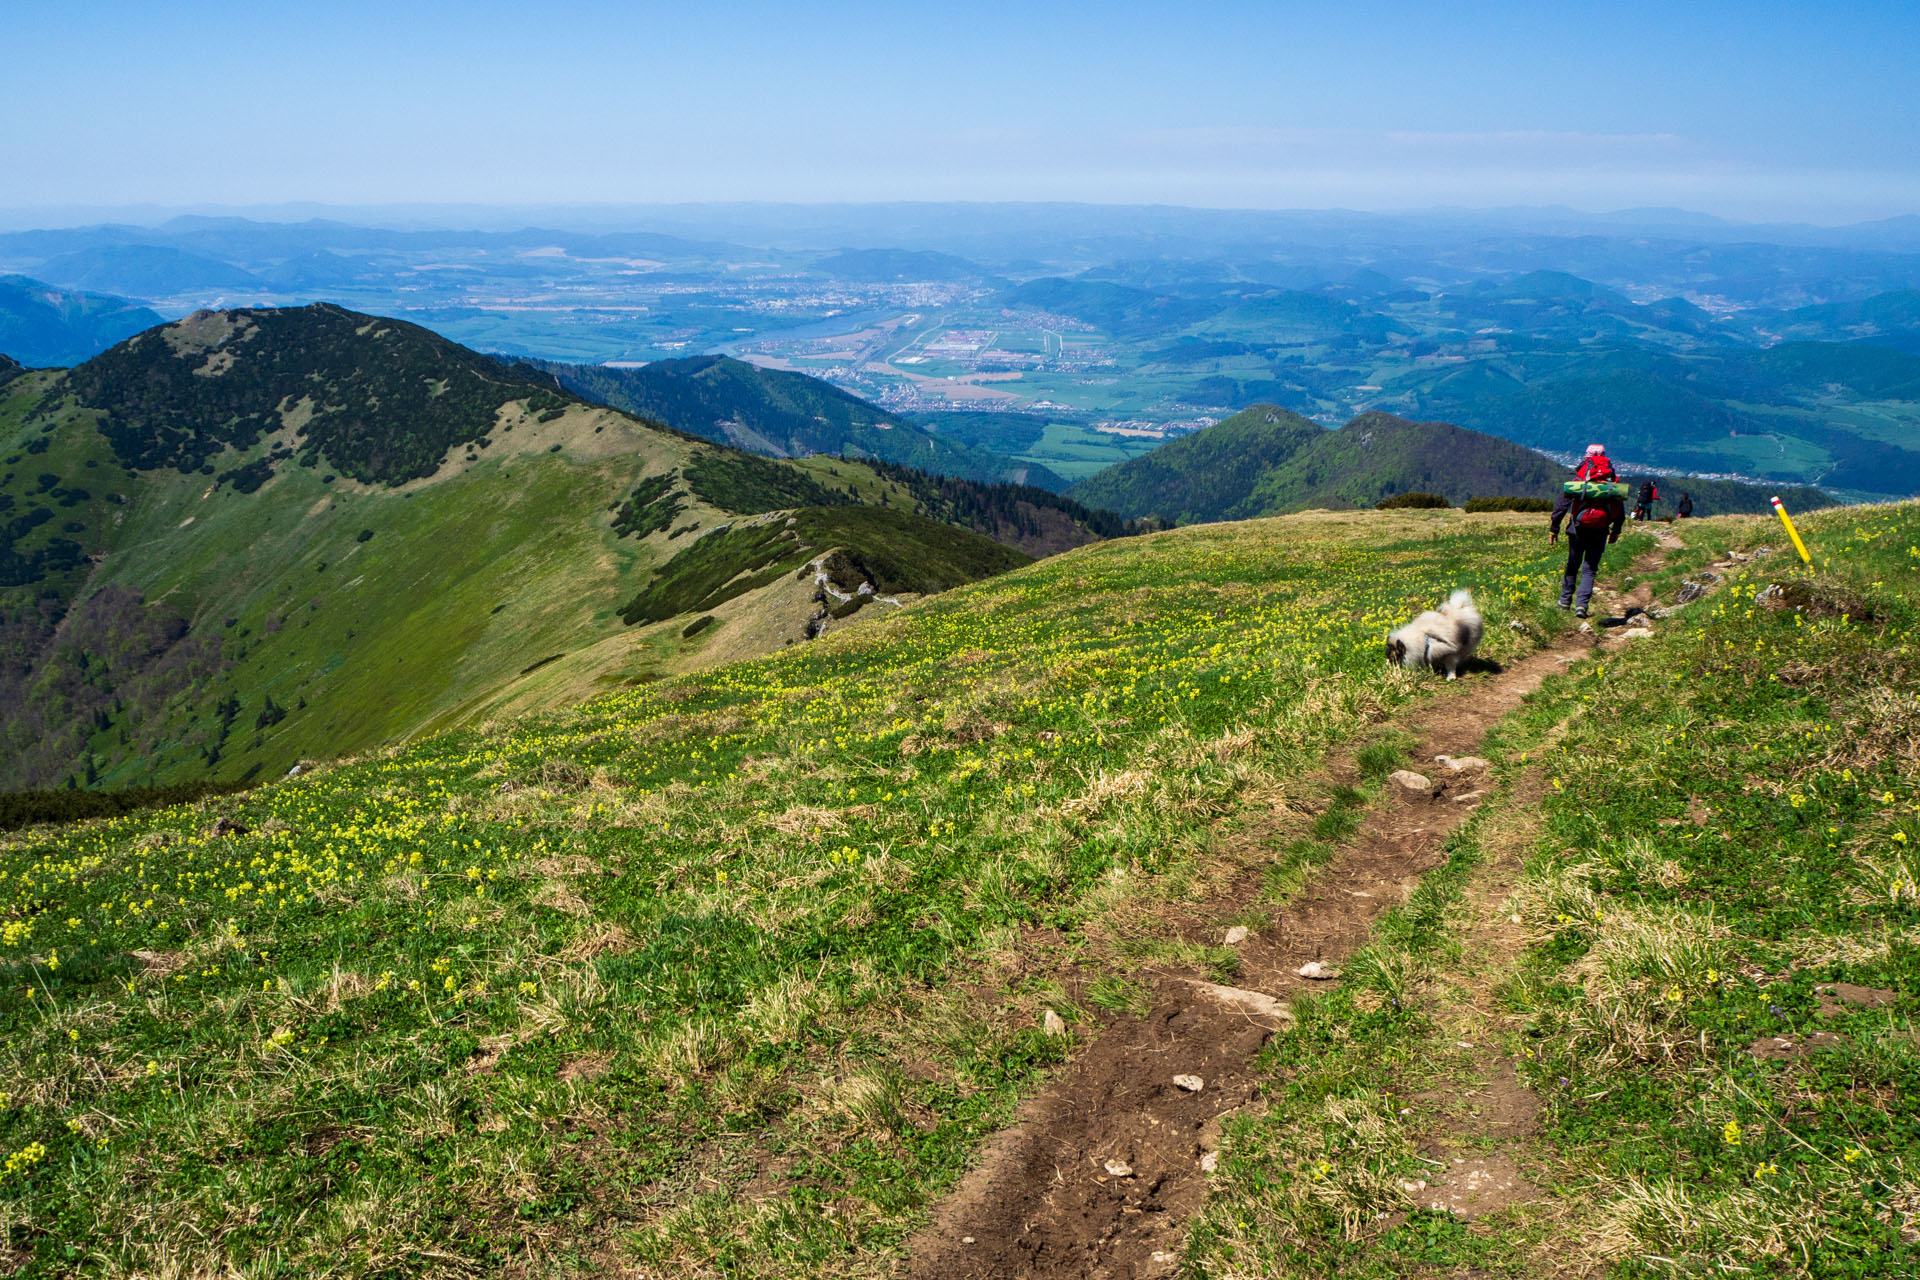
<point x="1461" y="599"/>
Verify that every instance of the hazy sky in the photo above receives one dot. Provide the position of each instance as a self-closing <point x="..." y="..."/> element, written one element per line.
<point x="1755" y="109"/>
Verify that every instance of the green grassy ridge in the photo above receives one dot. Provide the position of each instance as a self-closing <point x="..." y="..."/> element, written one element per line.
<point x="1266" y="460"/>
<point x="232" y="617"/>
<point x="465" y="581"/>
<point x="578" y="977"/>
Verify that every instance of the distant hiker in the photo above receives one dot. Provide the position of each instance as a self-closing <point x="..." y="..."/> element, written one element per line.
<point x="1593" y="513"/>
<point x="1649" y="494"/>
<point x="1685" y="509"/>
<point x="1595" y="466"/>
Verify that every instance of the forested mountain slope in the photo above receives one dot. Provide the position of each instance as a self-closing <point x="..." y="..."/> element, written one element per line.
<point x="1266" y="461"/>
<point x="257" y="536"/>
<point x="784" y="415"/>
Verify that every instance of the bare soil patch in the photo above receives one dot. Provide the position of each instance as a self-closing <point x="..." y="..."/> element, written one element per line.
<point x="1042" y="1202"/>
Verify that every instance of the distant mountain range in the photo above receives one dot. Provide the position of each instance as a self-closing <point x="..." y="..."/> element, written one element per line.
<point x="1040" y="340"/>
<point x="41" y="325"/>
<point x="254" y="536"/>
<point x="146" y="271"/>
<point x="882" y="266"/>
<point x="784" y="415"/>
<point x="1269" y="461"/>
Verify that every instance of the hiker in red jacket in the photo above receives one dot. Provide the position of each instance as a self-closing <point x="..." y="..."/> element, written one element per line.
<point x="1592" y="524"/>
<point x="1595" y="466"/>
<point x="1649" y="494"/>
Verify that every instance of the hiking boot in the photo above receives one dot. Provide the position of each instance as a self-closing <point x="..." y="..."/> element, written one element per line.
<point x="1581" y="612"/>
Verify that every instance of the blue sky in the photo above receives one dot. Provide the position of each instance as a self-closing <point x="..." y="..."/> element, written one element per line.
<point x="1754" y="110"/>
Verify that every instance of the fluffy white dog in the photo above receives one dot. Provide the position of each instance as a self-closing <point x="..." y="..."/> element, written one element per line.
<point x="1443" y="639"/>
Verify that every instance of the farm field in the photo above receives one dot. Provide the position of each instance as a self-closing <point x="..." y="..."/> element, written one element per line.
<point x="734" y="973"/>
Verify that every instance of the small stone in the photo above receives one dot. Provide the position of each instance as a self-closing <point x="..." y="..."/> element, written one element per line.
<point x="1514" y="918"/>
<point x="1192" y="1084"/>
<point x="1586" y="628"/>
<point x="1118" y="1169"/>
<point x="1256" y="1004"/>
<point x="1053" y="1024"/>
<point x="1411" y="784"/>
<point x="966" y="1239"/>
<point x="1318" y="972"/>
<point x="1237" y="935"/>
<point x="1462" y="764"/>
<point x="1210" y="1162"/>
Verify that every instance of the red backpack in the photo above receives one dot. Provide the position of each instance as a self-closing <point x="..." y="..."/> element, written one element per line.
<point x="1591" y="513"/>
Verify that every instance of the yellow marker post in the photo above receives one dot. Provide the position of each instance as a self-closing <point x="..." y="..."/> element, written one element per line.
<point x="1792" y="532"/>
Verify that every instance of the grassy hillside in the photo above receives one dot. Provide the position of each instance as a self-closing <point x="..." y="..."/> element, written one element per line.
<point x="736" y="973"/>
<point x="41" y="325"/>
<point x="782" y="414"/>
<point x="1266" y="460"/>
<point x="255" y="537"/>
<point x="659" y="981"/>
<point x="1664" y="980"/>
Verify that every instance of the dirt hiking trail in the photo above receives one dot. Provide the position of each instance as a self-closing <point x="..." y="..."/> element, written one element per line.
<point x="1101" y="1170"/>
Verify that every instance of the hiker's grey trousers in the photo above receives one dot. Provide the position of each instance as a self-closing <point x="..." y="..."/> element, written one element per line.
<point x="1583" y="562"/>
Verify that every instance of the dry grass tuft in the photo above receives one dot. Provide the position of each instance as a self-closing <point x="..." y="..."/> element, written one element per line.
<point x="1666" y="1222"/>
<point x="1104" y="789"/>
<point x="556" y="894"/>
<point x="604" y="939"/>
<point x="806" y="820"/>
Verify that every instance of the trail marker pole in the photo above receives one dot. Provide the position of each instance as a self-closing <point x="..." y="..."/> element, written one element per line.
<point x="1792" y="532"/>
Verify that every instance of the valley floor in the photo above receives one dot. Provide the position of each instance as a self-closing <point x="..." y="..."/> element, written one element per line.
<point x="741" y="973"/>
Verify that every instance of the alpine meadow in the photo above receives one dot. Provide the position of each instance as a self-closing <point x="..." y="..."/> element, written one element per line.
<point x="1231" y="642"/>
